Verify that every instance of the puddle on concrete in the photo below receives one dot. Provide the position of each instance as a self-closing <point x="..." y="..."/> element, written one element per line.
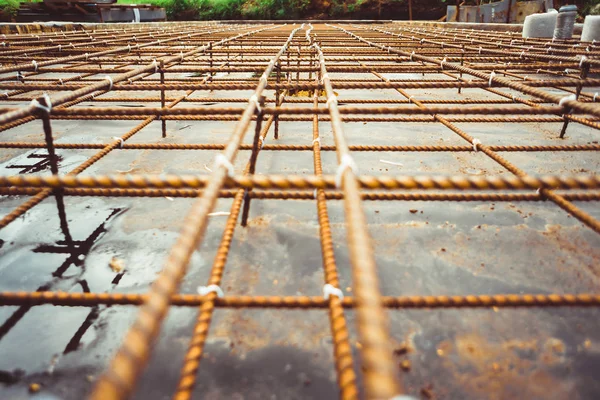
<point x="33" y="163"/>
<point x="38" y="161"/>
<point x="72" y="249"/>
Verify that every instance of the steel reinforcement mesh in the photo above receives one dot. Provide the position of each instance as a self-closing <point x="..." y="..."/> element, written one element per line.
<point x="455" y="93"/>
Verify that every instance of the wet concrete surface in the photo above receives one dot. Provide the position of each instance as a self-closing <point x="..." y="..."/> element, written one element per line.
<point x="448" y="248"/>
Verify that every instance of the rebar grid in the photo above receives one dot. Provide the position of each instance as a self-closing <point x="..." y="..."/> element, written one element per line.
<point x="286" y="69"/>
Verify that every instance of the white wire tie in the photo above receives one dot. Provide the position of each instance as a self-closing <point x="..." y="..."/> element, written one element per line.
<point x="442" y="45"/>
<point x="35" y="66"/>
<point x="331" y="100"/>
<point x="567" y="98"/>
<point x="263" y="140"/>
<point x="442" y="63"/>
<point x="329" y="290"/>
<point x="326" y="75"/>
<point x="318" y="140"/>
<point x="594" y="98"/>
<point x="110" y="82"/>
<point x="86" y="56"/>
<point x="181" y="55"/>
<point x="155" y="63"/>
<point x="120" y="140"/>
<point x="254" y="100"/>
<point x="411" y="55"/>
<point x="221" y="160"/>
<point x="476" y="142"/>
<point x="263" y="77"/>
<point x="514" y="99"/>
<point x="60" y="81"/>
<point x="492" y="76"/>
<point x="410" y="99"/>
<point x="522" y="54"/>
<point x="347" y="162"/>
<point x="422" y="41"/>
<point x="539" y="193"/>
<point x="583" y="58"/>
<point x="204" y="290"/>
<point x="47" y="107"/>
<point x="480" y="50"/>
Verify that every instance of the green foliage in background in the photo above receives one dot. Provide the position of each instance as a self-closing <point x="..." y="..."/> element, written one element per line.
<point x="591" y="7"/>
<point x="284" y="9"/>
<point x="228" y="9"/>
<point x="224" y="9"/>
<point x="9" y="7"/>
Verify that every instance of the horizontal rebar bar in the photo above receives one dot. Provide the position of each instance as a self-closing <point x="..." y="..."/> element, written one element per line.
<point x="308" y="195"/>
<point x="192" y="300"/>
